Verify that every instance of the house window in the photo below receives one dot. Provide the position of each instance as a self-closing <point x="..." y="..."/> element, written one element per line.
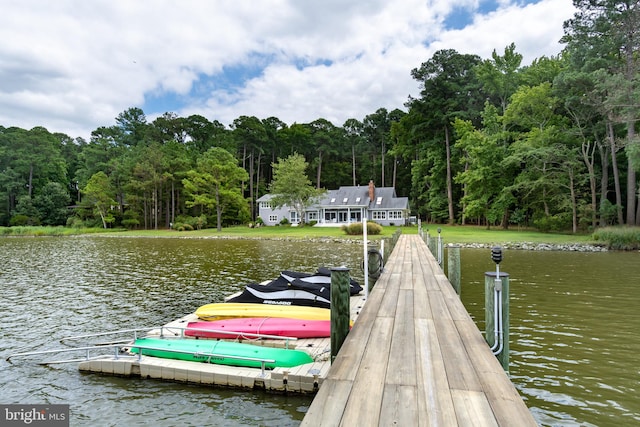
<point x="395" y="214"/>
<point x="333" y="200"/>
<point x="273" y="218"/>
<point x="345" y="200"/>
<point x="379" y="215"/>
<point x="357" y="199"/>
<point x="294" y="217"/>
<point x="312" y="216"/>
<point x="379" y="201"/>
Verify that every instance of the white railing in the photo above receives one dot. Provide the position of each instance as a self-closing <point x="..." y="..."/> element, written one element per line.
<point x="161" y="331"/>
<point x="119" y="347"/>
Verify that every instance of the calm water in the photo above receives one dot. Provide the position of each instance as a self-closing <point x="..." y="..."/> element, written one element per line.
<point x="574" y="321"/>
<point x="575" y="332"/>
<point x="58" y="287"/>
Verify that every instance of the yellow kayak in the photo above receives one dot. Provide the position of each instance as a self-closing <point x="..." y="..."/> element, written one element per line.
<point x="229" y="310"/>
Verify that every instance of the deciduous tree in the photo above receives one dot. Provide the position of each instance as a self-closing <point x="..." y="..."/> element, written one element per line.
<point x="291" y="185"/>
<point x="99" y="194"/>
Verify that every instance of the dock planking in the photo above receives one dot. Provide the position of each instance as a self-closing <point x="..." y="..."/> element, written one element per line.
<point x="416" y="358"/>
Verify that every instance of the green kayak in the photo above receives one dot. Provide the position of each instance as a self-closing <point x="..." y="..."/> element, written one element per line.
<point x="220" y="352"/>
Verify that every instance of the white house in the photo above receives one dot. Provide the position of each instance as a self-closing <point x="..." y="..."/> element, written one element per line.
<point x="343" y="206"/>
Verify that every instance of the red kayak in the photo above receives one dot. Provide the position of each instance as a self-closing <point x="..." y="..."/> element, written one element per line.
<point x="296" y="328"/>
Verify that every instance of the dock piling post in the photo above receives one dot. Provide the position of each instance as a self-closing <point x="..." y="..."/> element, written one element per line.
<point x="365" y="258"/>
<point x="453" y="267"/>
<point x="439" y="248"/>
<point x="496" y="303"/>
<point x="340" y="310"/>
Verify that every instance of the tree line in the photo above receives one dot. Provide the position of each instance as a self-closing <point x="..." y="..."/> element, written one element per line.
<point x="552" y="145"/>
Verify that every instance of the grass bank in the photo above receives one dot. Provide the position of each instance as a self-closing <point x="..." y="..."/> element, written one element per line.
<point x="450" y="234"/>
<point x="619" y="238"/>
<point x="47" y="231"/>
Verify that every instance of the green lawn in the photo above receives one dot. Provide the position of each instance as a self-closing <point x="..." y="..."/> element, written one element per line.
<point x="474" y="234"/>
<point x="450" y="234"/>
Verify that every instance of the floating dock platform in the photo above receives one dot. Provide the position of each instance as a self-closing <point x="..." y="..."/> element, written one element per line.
<point x="305" y="378"/>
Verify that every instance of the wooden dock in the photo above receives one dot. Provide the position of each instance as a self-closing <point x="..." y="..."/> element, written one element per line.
<point x="416" y="358"/>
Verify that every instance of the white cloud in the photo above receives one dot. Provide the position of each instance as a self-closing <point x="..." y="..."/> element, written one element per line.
<point x="72" y="65"/>
<point x="535" y="29"/>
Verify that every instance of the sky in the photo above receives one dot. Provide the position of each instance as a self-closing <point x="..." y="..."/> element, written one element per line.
<point x="72" y="66"/>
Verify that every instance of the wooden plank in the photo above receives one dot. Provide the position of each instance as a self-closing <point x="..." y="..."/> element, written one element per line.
<point x="401" y="369"/>
<point x="421" y="307"/>
<point x="459" y="368"/>
<point x="373" y="302"/>
<point x="392" y="279"/>
<point x="327" y="407"/>
<point x="345" y="365"/>
<point x="509" y="410"/>
<point x="418" y="277"/>
<point x="399" y="406"/>
<point x="484" y="361"/>
<point x="455" y="307"/>
<point x="407" y="281"/>
<point x="429" y="270"/>
<point x="501" y="393"/>
<point x="396" y="259"/>
<point x="473" y="409"/>
<point x="365" y="399"/>
<point x="388" y="305"/>
<point x="434" y="397"/>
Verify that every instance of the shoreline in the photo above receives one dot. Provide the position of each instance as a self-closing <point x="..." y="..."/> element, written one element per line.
<point x="529" y="246"/>
<point x="526" y="246"/>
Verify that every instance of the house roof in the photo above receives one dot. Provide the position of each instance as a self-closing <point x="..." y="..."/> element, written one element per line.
<point x="345" y="196"/>
<point x="265" y="198"/>
<point x="384" y="198"/>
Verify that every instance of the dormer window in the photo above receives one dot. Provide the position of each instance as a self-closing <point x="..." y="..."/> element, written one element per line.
<point x="379" y="201"/>
<point x="345" y="200"/>
<point x="357" y="199"/>
<point x="333" y="200"/>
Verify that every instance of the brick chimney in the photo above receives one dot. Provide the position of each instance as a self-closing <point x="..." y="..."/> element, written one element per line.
<point x="372" y="192"/>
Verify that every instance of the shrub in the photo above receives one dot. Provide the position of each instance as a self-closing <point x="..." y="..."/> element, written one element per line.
<point x="307" y="224"/>
<point x="355" y="229"/>
<point x="22" y="220"/>
<point x="559" y="222"/>
<point x="619" y="238"/>
<point x="608" y="211"/>
<point x="181" y="226"/>
<point x="75" y="222"/>
<point x="188" y="223"/>
<point x="18" y="220"/>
